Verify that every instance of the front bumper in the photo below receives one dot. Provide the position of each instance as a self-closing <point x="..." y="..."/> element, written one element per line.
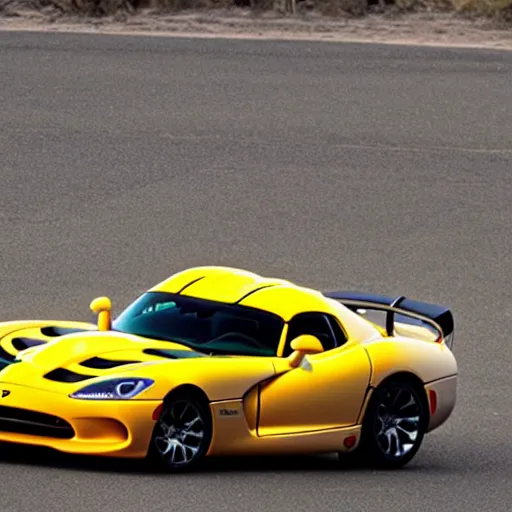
<point x="93" y="427"/>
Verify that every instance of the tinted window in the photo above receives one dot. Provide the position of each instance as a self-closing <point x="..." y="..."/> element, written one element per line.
<point x="206" y="326"/>
<point x="339" y="334"/>
<point x="315" y="324"/>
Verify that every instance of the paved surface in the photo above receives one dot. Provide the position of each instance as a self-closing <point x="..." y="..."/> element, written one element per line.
<point x="123" y="160"/>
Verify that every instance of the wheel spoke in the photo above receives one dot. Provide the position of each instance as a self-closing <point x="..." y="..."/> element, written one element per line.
<point x="185" y="409"/>
<point x="181" y="441"/>
<point x="400" y="450"/>
<point x="396" y="430"/>
<point x="387" y="450"/>
<point x="409" y="419"/>
<point x="173" y="454"/>
<point x="167" y="443"/>
<point x="197" y="435"/>
<point x="410" y="423"/>
<point x="411" y="435"/>
<point x="409" y="403"/>
<point x="183" y="451"/>
<point x="193" y="449"/>
<point x="190" y="424"/>
<point x="395" y="400"/>
<point x="164" y="426"/>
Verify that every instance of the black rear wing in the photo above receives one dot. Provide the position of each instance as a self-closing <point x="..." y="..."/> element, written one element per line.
<point x="437" y="316"/>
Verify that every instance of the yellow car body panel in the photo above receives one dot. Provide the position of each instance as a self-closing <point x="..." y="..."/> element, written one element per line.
<point x="425" y="360"/>
<point x="207" y="373"/>
<point x="310" y="399"/>
<point x="236" y="434"/>
<point x="118" y="429"/>
<point x="259" y="403"/>
<point x="224" y="284"/>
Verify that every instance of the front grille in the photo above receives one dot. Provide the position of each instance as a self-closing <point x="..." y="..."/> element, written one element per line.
<point x="23" y="421"/>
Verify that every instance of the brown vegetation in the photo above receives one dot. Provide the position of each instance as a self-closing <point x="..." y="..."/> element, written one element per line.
<point x="497" y="9"/>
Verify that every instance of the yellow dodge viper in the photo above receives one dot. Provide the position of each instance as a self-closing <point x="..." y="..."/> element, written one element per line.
<point x="221" y="361"/>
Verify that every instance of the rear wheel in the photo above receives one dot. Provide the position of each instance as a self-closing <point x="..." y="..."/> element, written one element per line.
<point x="182" y="433"/>
<point x="394" y="425"/>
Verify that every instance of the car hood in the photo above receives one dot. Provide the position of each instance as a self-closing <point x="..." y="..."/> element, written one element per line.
<point x="71" y="361"/>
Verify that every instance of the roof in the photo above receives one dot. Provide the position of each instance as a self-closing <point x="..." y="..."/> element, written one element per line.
<point x="233" y="285"/>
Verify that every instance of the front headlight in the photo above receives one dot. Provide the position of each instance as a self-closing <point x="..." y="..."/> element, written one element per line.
<point x="113" y="389"/>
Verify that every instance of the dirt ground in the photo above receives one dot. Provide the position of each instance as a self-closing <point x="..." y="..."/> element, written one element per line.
<point x="438" y="29"/>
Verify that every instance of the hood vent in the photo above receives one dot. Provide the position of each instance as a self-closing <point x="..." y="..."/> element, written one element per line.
<point x="63" y="375"/>
<point x="173" y="354"/>
<point x="52" y="331"/>
<point x="23" y="343"/>
<point x="99" y="363"/>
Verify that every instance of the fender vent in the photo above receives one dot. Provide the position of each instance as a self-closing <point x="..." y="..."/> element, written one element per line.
<point x="63" y="375"/>
<point x="103" y="364"/>
<point x="23" y="343"/>
<point x="5" y="355"/>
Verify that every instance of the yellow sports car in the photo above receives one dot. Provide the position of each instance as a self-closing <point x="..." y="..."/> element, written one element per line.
<point x="221" y="361"/>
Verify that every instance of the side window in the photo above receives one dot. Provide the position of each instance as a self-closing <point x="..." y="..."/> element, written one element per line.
<point x="340" y="336"/>
<point x="316" y="324"/>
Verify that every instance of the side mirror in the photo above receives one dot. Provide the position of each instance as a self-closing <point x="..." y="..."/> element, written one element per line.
<point x="303" y="345"/>
<point x="102" y="306"/>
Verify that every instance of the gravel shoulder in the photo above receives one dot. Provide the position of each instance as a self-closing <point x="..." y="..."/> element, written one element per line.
<point x="433" y="29"/>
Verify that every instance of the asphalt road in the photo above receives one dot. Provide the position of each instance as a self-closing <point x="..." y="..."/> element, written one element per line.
<point x="388" y="169"/>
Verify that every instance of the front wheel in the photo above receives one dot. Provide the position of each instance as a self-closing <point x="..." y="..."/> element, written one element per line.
<point x="182" y="434"/>
<point x="394" y="425"/>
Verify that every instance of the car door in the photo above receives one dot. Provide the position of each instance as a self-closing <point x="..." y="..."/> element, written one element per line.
<point x="326" y="391"/>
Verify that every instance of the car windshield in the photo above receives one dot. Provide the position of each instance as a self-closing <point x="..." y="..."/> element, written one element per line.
<point x="203" y="325"/>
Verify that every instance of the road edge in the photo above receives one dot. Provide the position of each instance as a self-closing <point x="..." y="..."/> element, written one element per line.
<point x="468" y="35"/>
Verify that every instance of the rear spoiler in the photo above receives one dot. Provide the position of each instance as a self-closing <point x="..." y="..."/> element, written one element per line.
<point x="440" y="317"/>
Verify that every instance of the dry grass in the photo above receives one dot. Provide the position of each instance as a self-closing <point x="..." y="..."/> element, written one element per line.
<point x="497" y="9"/>
<point x="484" y="7"/>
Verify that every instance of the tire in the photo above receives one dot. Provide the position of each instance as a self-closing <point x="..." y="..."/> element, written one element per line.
<point x="385" y="427"/>
<point x="182" y="434"/>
